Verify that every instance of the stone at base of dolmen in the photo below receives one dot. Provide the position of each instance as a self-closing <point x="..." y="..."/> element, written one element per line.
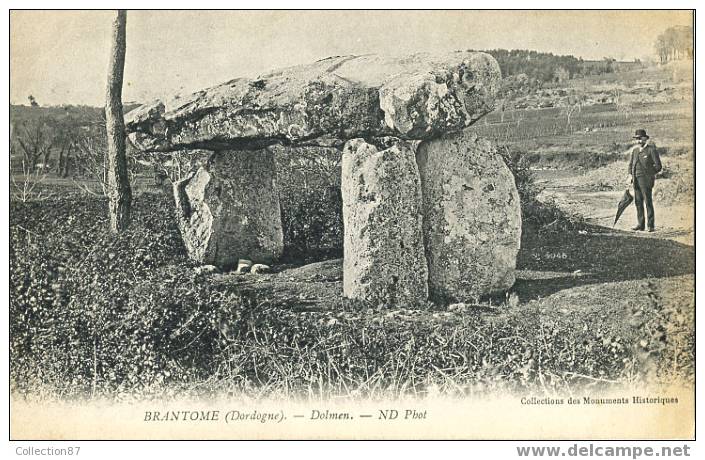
<point x="384" y="258"/>
<point x="472" y="217"/>
<point x="229" y="209"/>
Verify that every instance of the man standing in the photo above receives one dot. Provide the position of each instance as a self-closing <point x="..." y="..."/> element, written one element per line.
<point x="643" y="167"/>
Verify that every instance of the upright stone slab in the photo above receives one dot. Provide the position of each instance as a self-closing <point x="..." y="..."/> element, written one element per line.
<point x="472" y="217"/>
<point x="229" y="209"/>
<point x="383" y="249"/>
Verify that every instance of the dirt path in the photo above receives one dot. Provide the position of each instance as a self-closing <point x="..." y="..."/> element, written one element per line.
<point x="673" y="221"/>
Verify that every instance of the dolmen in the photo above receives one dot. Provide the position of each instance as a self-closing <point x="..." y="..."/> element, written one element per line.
<point x="429" y="209"/>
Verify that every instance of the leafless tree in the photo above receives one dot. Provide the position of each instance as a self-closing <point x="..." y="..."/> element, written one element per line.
<point x="622" y="104"/>
<point x="92" y="160"/>
<point x="29" y="186"/>
<point x="66" y="141"/>
<point x="675" y="43"/>
<point x="574" y="107"/>
<point x="35" y="141"/>
<point x="119" y="192"/>
<point x="661" y="49"/>
<point x="561" y="75"/>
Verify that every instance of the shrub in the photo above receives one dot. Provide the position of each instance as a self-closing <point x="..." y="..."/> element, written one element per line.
<point x="536" y="214"/>
<point x="308" y="179"/>
<point x="519" y="163"/>
<point x="94" y="313"/>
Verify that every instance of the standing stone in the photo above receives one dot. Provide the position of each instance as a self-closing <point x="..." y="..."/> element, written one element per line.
<point x="383" y="251"/>
<point x="472" y="217"/>
<point x="229" y="209"/>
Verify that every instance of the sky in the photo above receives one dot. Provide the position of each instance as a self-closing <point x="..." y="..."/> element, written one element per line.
<point x="60" y="57"/>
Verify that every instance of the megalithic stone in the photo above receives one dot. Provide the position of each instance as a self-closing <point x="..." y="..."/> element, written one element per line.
<point x="419" y="96"/>
<point x="229" y="209"/>
<point x="472" y="217"/>
<point x="384" y="258"/>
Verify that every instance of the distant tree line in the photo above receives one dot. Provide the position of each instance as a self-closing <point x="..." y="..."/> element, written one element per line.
<point x="675" y="43"/>
<point x="48" y="142"/>
<point x="548" y="67"/>
<point x="57" y="138"/>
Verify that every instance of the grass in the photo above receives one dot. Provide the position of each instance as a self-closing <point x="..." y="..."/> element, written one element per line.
<point x="127" y="317"/>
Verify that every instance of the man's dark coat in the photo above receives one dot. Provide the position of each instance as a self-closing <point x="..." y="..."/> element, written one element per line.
<point x="645" y="162"/>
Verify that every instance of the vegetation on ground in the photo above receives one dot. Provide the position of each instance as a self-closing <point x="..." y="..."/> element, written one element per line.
<point x="98" y="315"/>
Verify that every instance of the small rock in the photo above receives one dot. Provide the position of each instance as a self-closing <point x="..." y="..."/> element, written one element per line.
<point x="243" y="266"/>
<point x="205" y="269"/>
<point x="459" y="307"/>
<point x="260" y="268"/>
<point x="512" y="300"/>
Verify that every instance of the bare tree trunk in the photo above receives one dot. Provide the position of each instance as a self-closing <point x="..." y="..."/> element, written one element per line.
<point x="60" y="161"/>
<point x="47" y="157"/>
<point x="119" y="193"/>
<point x="67" y="162"/>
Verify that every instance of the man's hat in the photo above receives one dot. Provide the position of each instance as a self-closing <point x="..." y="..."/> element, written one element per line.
<point x="640" y="134"/>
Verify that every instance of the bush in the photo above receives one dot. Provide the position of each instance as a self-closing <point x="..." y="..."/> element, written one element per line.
<point x="308" y="179"/>
<point x="536" y="214"/>
<point x="94" y="313"/>
<point x="313" y="225"/>
<point x="519" y="164"/>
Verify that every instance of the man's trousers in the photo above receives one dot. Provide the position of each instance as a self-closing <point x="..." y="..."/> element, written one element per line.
<point x="642" y="194"/>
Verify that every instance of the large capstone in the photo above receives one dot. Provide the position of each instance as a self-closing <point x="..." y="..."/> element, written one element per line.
<point x="229" y="209"/>
<point x="472" y="217"/>
<point x="384" y="258"/>
<point x="413" y="97"/>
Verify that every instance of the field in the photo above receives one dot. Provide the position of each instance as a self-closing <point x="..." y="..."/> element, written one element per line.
<point x="130" y="317"/>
